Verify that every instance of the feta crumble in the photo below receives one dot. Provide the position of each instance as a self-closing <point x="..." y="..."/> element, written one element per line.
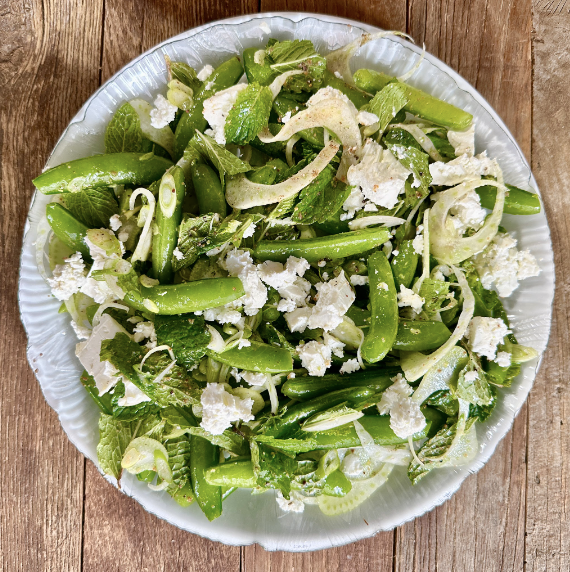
<point x="366" y="118"/>
<point x="81" y="332"/>
<point x="315" y="357"/>
<point x="334" y="299"/>
<point x="463" y="169"/>
<point x="286" y="117"/>
<point x="239" y="263"/>
<point x="178" y="254"/>
<point x="350" y="366"/>
<point x="145" y="330"/>
<point x="205" y="72"/>
<point x="407" y="297"/>
<point x="254" y="378"/>
<point x="503" y="359"/>
<point x="485" y="334"/>
<point x="249" y="231"/>
<point x="298" y="319"/>
<point x="133" y="395"/>
<point x="220" y="409"/>
<point x="467" y="213"/>
<point x="217" y="108"/>
<point x="503" y="265"/>
<point x="357" y="280"/>
<point x="294" y="504"/>
<point x="418" y="244"/>
<point x="68" y="278"/>
<point x="379" y="175"/>
<point x="335" y="345"/>
<point x="115" y="222"/>
<point x="163" y="113"/>
<point x="354" y="203"/>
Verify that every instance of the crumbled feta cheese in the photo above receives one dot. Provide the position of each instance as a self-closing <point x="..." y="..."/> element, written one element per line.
<point x="350" y="366"/>
<point x="106" y="375"/>
<point x="205" y="72"/>
<point x="406" y="417"/>
<point x="294" y="504"/>
<point x="334" y="299"/>
<point x="503" y="359"/>
<point x="278" y="276"/>
<point x="224" y="315"/>
<point x="338" y="74"/>
<point x="178" y="254"/>
<point x="315" y="357"/>
<point x="366" y="118"/>
<point x="298" y="319"/>
<point x="467" y="213"/>
<point x="249" y="231"/>
<point x="68" y="278"/>
<point x="504" y="265"/>
<point x="220" y="409"/>
<point x="253" y="378"/>
<point x="335" y="345"/>
<point x="163" y="113"/>
<point x="383" y="286"/>
<point x="217" y="108"/>
<point x="379" y="175"/>
<point x="239" y="263"/>
<point x="357" y="280"/>
<point x="354" y="203"/>
<point x="291" y="375"/>
<point x="407" y="297"/>
<point x="81" y="332"/>
<point x="325" y="276"/>
<point x="418" y="244"/>
<point x="462" y="169"/>
<point x="471" y="376"/>
<point x="243" y="343"/>
<point x="321" y="263"/>
<point x="133" y="395"/>
<point x="286" y="117"/>
<point x="485" y="334"/>
<point x="463" y="142"/>
<point x="115" y="222"/>
<point x="145" y="330"/>
<point x="370" y="208"/>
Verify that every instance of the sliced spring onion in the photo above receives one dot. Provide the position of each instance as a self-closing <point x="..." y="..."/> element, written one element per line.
<point x="103" y="307"/>
<point x="363" y="222"/>
<point x="155" y="350"/>
<point x="145" y="239"/>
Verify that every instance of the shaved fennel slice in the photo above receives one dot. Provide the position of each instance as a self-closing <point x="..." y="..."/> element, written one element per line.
<point x="280" y="80"/>
<point x="241" y="193"/>
<point x="143" y="246"/>
<point x="337" y="116"/>
<point x="370" y="220"/>
<point x="445" y="245"/>
<point x="406" y="76"/>
<point x="425" y="255"/>
<point x="339" y="60"/>
<point x="163" y="137"/>
<point x="414" y="364"/>
<point x="419" y="135"/>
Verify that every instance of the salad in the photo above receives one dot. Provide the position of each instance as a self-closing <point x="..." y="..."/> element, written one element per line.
<point x="289" y="279"/>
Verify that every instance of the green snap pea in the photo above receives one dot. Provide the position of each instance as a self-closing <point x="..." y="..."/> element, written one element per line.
<point x="102" y="171"/>
<point x="517" y="201"/>
<point x="267" y="174"/>
<point x="170" y="299"/>
<point x="208" y="189"/>
<point x="224" y="76"/>
<point x="68" y="229"/>
<point x="238" y="473"/>
<point x="258" y="357"/>
<point x="292" y="419"/>
<point x="321" y="247"/>
<point x="404" y="265"/>
<point x="419" y="103"/>
<point x="308" y="387"/>
<point x="383" y="310"/>
<point x="358" y="97"/>
<point x="168" y="217"/>
<point x="421" y="336"/>
<point x="204" y="455"/>
<point x="337" y="484"/>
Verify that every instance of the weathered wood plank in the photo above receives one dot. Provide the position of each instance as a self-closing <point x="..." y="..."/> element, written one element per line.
<point x="48" y="67"/>
<point x="548" y="521"/>
<point x="482" y="526"/>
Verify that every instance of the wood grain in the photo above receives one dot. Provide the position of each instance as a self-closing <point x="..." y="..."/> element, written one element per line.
<point x="48" y="66"/>
<point x="548" y="539"/>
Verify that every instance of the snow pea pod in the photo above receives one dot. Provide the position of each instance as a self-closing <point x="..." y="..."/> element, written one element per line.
<point x="404" y="265"/>
<point x="170" y="299"/>
<point x="238" y="473"/>
<point x="420" y="336"/>
<point x="204" y="455"/>
<point x="517" y="201"/>
<point x="68" y="229"/>
<point x="224" y="76"/>
<point x="208" y="189"/>
<point x="419" y="103"/>
<point x="256" y="357"/>
<point x="357" y="96"/>
<point x="168" y="217"/>
<point x="308" y="387"/>
<point x="383" y="308"/>
<point x="319" y="248"/>
<point x="102" y="171"/>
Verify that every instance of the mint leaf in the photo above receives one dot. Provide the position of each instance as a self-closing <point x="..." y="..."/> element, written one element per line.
<point x="225" y="161"/>
<point x="93" y="207"/>
<point x="228" y="440"/>
<point x="435" y="293"/>
<point x="121" y="273"/>
<point x="104" y="402"/>
<point x="387" y="102"/>
<point x="475" y="391"/>
<point x="444" y="401"/>
<point x="179" y="460"/>
<point x="272" y="469"/>
<point x="482" y="412"/>
<point x="114" y="437"/>
<point x="417" y="162"/>
<point x="124" y="133"/>
<point x="249" y="114"/>
<point x="287" y="55"/>
<point x="187" y="335"/>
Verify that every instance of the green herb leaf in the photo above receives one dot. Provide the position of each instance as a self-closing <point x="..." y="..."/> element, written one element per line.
<point x="249" y="115"/>
<point x="131" y="412"/>
<point x="287" y="55"/>
<point x="434" y="293"/>
<point x="445" y="402"/>
<point x="387" y="102"/>
<point x="124" y="133"/>
<point x="272" y="469"/>
<point x="227" y="440"/>
<point x="186" y="334"/>
<point x="179" y="460"/>
<point x="482" y="412"/>
<point x="93" y="207"/>
<point x="114" y="437"/>
<point x="474" y="391"/>
<point x="417" y="162"/>
<point x="225" y="161"/>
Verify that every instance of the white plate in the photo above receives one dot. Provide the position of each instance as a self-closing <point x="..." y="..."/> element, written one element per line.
<point x="246" y="518"/>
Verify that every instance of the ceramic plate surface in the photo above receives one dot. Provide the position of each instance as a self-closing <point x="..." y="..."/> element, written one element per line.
<point x="246" y="518"/>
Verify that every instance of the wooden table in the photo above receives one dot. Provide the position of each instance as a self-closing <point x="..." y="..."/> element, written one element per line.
<point x="57" y="513"/>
